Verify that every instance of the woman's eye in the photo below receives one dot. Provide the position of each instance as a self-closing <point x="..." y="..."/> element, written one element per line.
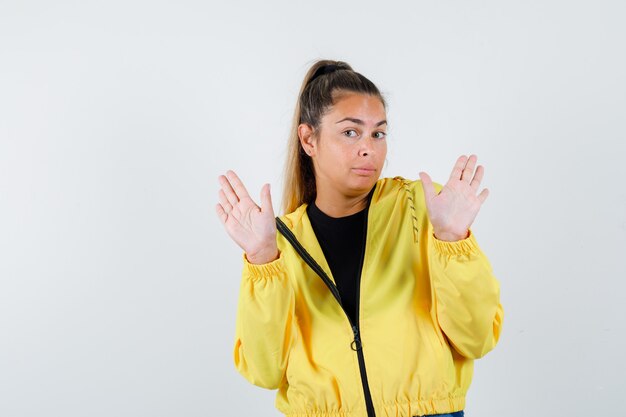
<point x="381" y="135"/>
<point x="347" y="133"/>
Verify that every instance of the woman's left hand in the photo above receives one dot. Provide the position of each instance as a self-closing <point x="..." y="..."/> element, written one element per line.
<point x="453" y="210"/>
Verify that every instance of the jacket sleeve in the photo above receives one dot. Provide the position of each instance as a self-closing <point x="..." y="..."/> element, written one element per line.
<point x="265" y="323"/>
<point x="466" y="295"/>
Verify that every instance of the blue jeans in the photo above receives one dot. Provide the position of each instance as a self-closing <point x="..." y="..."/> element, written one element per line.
<point x="455" y="414"/>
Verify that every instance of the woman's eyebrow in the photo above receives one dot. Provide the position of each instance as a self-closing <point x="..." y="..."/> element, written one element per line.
<point x="359" y="121"/>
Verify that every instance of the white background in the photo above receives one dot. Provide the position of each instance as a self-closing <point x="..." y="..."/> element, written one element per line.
<point x="118" y="284"/>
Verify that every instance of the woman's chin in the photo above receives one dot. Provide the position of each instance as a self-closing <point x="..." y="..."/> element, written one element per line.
<point x="364" y="183"/>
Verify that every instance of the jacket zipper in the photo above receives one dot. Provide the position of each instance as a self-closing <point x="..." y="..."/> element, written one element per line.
<point x="369" y="405"/>
<point x="356" y="344"/>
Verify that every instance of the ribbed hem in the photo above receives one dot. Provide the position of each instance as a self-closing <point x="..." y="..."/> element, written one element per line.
<point x="414" y="408"/>
<point x="314" y="413"/>
<point x="460" y="247"/>
<point x="264" y="271"/>
<point x="424" y="407"/>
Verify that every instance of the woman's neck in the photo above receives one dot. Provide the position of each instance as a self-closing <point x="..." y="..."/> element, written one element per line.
<point x="335" y="204"/>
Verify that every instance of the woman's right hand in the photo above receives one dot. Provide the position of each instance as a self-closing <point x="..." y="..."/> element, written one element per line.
<point x="252" y="227"/>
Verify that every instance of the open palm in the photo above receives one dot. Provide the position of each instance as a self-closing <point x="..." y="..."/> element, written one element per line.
<point x="252" y="227"/>
<point x="453" y="210"/>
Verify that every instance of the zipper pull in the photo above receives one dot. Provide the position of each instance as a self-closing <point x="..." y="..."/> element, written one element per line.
<point x="356" y="343"/>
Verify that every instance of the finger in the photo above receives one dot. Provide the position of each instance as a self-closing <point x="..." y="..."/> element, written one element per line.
<point x="240" y="189"/>
<point x="224" y="202"/>
<point x="266" y="200"/>
<point x="468" y="171"/>
<point x="483" y="195"/>
<point x="427" y="185"/>
<point x="221" y="213"/>
<point x="478" y="177"/>
<point x="228" y="190"/>
<point x="458" y="168"/>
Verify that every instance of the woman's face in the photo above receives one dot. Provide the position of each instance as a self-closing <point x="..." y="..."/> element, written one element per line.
<point x="351" y="146"/>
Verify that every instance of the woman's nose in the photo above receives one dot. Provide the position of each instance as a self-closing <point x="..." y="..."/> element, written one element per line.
<point x="366" y="146"/>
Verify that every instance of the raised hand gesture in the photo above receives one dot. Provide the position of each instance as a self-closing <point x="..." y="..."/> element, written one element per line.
<point x="252" y="227"/>
<point x="453" y="210"/>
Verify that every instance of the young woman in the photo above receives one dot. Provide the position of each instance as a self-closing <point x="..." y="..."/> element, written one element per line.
<point x="369" y="296"/>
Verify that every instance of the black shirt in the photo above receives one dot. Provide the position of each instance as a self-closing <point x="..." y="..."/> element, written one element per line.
<point x="342" y="240"/>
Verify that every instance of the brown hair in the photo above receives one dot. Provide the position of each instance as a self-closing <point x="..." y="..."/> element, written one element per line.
<point x="323" y="85"/>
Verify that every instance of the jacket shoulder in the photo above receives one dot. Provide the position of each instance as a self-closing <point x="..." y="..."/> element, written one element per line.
<point x="294" y="218"/>
<point x="416" y="187"/>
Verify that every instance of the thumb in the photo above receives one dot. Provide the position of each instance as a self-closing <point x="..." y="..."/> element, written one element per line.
<point x="266" y="200"/>
<point x="427" y="185"/>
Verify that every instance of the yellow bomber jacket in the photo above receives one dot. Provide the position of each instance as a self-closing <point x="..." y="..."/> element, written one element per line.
<point x="427" y="309"/>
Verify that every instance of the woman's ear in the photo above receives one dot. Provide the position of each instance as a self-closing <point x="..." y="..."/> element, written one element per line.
<point x="306" y="136"/>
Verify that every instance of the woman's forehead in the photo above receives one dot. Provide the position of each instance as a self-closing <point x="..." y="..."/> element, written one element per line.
<point x="357" y="106"/>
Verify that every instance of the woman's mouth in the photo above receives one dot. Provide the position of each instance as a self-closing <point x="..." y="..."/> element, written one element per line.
<point x="364" y="170"/>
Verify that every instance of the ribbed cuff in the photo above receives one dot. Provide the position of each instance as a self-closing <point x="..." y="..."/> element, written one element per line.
<point x="264" y="271"/>
<point x="460" y="247"/>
